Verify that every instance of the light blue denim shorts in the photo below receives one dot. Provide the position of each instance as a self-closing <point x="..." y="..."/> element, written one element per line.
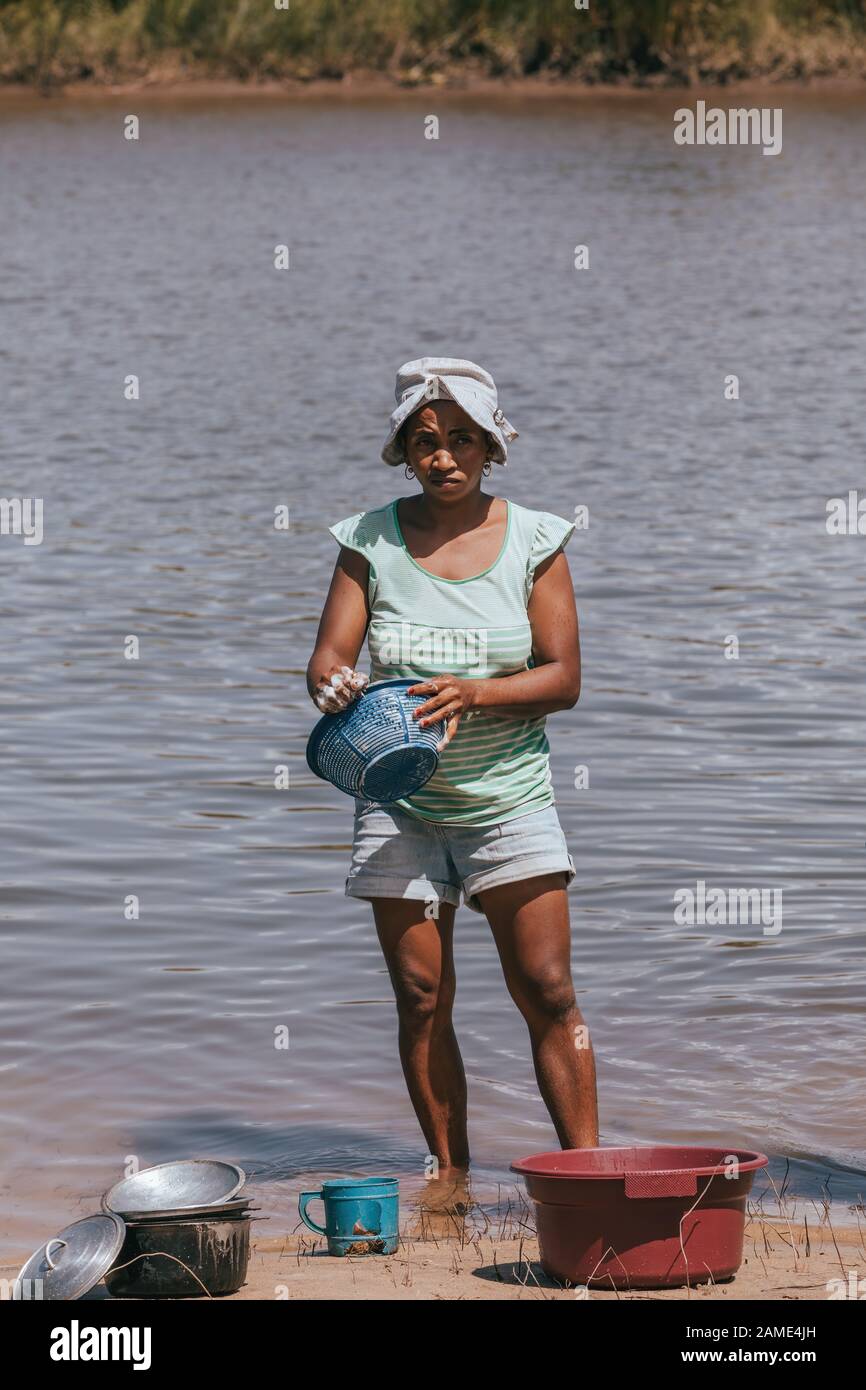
<point x="396" y="855"/>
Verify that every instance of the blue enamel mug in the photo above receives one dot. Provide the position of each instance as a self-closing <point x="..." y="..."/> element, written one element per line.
<point x="361" y="1214"/>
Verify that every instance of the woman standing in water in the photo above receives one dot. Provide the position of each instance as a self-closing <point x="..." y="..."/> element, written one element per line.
<point x="470" y="595"/>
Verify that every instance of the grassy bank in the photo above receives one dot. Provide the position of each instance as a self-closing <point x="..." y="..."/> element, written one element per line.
<point x="48" y="42"/>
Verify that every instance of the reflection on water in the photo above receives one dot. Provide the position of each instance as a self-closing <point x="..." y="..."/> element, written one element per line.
<point x="154" y="777"/>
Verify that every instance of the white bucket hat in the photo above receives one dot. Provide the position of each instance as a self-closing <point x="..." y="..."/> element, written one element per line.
<point x="449" y="378"/>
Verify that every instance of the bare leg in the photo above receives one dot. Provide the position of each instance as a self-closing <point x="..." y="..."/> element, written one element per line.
<point x="530" y="926"/>
<point x="418" y="953"/>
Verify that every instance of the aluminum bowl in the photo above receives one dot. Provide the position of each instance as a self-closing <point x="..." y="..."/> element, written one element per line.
<point x="189" y="1183"/>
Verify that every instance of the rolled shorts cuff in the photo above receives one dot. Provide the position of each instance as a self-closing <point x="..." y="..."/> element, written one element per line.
<point x="514" y="871"/>
<point x="423" y="890"/>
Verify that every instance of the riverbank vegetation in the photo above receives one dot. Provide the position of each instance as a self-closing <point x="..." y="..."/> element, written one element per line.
<point x="646" y="42"/>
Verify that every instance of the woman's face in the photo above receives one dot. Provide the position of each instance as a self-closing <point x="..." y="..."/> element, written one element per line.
<point x="446" y="449"/>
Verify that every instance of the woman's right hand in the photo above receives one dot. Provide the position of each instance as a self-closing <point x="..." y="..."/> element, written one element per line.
<point x="337" y="690"/>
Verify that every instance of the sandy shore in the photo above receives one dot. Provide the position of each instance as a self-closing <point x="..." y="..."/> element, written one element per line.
<point x="781" y="1263"/>
<point x="778" y="1264"/>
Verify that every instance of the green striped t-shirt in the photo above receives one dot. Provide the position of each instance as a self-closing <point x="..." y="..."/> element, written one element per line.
<point x="497" y="765"/>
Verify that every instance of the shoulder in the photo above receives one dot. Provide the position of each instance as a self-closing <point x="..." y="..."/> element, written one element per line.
<point x="361" y="530"/>
<point x="543" y="532"/>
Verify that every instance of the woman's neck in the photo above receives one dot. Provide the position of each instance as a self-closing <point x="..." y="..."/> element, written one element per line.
<point x="428" y="514"/>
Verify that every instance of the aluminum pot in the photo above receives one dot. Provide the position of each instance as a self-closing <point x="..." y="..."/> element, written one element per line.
<point x="239" y="1207"/>
<point x="214" y="1251"/>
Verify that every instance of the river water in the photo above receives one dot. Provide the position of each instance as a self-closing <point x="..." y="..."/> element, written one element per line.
<point x="155" y="1037"/>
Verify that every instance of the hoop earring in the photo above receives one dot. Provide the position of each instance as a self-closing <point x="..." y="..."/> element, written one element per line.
<point x="409" y="471"/>
<point x="487" y="468"/>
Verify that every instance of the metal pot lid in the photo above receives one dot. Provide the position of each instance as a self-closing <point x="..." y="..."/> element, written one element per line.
<point x="75" y="1260"/>
<point x="182" y="1184"/>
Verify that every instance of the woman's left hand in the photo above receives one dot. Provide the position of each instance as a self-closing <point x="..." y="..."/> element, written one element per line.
<point x="451" y="698"/>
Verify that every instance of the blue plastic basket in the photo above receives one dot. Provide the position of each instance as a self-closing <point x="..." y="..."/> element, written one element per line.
<point x="374" y="749"/>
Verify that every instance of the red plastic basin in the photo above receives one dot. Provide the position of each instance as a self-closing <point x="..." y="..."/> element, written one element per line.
<point x="647" y="1217"/>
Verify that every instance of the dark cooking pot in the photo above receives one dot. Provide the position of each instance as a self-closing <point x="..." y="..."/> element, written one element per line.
<point x="216" y="1248"/>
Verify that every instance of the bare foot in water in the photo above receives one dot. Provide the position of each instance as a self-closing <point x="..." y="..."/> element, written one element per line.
<point x="442" y="1206"/>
